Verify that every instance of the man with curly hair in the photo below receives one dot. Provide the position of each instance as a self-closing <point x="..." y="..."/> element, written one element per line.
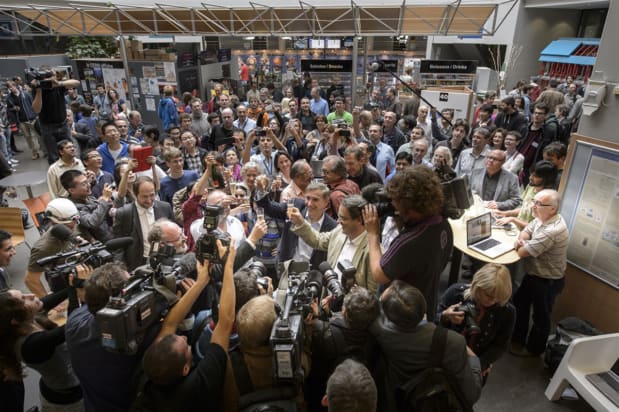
<point x="420" y="252"/>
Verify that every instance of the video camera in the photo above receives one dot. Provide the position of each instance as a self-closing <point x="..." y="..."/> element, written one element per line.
<point x="59" y="266"/>
<point x="288" y="332"/>
<point x="143" y="300"/>
<point x="457" y="194"/>
<point x="206" y="246"/>
<point x="41" y="76"/>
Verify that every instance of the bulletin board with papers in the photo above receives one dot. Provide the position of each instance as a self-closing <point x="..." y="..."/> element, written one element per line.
<point x="590" y="206"/>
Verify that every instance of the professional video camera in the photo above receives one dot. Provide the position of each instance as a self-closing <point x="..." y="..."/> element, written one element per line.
<point x="206" y="246"/>
<point x="471" y="328"/>
<point x="379" y="197"/>
<point x="59" y="266"/>
<point x="143" y="300"/>
<point x="288" y="332"/>
<point x="457" y="195"/>
<point x="41" y="76"/>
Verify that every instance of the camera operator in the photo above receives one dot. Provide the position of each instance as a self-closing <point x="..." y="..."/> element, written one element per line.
<point x="173" y="384"/>
<point x="60" y="212"/>
<point x="420" y="252"/>
<point x="482" y="313"/>
<point x="344" y="335"/>
<point x="49" y="104"/>
<point x="348" y="241"/>
<point x="253" y="361"/>
<point x="29" y="336"/>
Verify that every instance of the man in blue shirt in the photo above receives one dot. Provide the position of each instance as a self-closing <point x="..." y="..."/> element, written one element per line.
<point x="113" y="148"/>
<point x="383" y="159"/>
<point x="177" y="178"/>
<point x="318" y="105"/>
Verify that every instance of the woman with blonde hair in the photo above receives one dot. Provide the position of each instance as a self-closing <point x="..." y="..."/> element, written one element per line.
<point x="481" y="311"/>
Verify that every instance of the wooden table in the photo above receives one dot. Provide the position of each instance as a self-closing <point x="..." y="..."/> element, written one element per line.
<point x="458" y="227"/>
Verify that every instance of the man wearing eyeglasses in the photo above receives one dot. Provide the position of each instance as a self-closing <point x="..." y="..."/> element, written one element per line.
<point x="7" y="251"/>
<point x="95" y="223"/>
<point x="542" y="245"/>
<point x="497" y="187"/>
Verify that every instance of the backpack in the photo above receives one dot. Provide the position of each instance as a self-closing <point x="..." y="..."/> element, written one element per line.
<point x="568" y="329"/>
<point x="433" y="390"/>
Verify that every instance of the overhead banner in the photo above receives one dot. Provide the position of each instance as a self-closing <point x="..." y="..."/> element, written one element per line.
<point x="448" y="66"/>
<point x="326" y="65"/>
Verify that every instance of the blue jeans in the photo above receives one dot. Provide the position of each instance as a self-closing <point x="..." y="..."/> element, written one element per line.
<point x="53" y="133"/>
<point x="541" y="294"/>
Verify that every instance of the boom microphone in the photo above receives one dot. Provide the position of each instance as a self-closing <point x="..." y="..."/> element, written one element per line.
<point x="185" y="265"/>
<point x="64" y="234"/>
<point x="118" y="243"/>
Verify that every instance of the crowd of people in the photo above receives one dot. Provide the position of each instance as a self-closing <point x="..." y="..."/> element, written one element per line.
<point x="293" y="175"/>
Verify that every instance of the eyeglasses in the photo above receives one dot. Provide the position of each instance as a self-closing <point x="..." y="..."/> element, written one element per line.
<point x="537" y="203"/>
<point x="495" y="159"/>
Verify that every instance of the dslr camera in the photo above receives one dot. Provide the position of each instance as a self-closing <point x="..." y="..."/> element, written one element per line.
<point x="343" y="126"/>
<point x="206" y="246"/>
<point x="42" y="78"/>
<point x="471" y="328"/>
<point x="261" y="132"/>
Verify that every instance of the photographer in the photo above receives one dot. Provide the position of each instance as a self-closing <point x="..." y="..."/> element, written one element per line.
<point x="420" y="252"/>
<point x="345" y="335"/>
<point x="94" y="221"/>
<point x="49" y="104"/>
<point x="59" y="212"/>
<point x="29" y="336"/>
<point x="481" y="312"/>
<point x="173" y="384"/>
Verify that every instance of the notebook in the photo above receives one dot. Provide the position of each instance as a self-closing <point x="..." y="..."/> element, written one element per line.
<point x="479" y="237"/>
<point x="607" y="383"/>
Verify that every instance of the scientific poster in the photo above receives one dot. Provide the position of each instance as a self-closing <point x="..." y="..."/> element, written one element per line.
<point x="594" y="240"/>
<point x="150" y="104"/>
<point x="115" y="78"/>
<point x="170" y="72"/>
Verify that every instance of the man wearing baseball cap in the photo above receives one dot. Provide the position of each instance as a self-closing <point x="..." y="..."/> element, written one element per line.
<point x="61" y="212"/>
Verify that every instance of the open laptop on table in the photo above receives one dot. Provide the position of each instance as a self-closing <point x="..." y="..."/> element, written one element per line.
<point x="607" y="382"/>
<point x="479" y="237"/>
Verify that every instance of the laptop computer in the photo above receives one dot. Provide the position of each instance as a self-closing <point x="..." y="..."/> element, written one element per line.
<point x="607" y="383"/>
<point x="479" y="237"/>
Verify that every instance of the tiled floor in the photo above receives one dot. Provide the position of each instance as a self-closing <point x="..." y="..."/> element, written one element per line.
<point x="515" y="384"/>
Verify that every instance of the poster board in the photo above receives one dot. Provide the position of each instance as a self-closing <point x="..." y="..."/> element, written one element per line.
<point x="590" y="207"/>
<point x="460" y="99"/>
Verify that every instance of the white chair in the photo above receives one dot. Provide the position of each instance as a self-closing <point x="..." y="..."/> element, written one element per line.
<point x="584" y="356"/>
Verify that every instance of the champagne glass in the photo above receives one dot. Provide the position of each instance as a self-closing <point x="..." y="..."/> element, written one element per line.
<point x="290" y="207"/>
<point x="260" y="214"/>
